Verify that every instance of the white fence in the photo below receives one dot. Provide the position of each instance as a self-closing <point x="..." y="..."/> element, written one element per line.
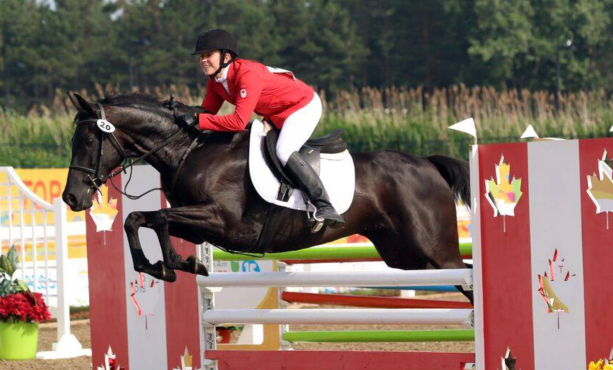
<point x="40" y="232"/>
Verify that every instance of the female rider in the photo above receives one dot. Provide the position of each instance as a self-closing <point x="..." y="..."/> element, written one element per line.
<point x="288" y="103"/>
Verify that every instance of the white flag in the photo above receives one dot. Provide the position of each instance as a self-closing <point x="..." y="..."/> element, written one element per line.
<point x="467" y="126"/>
<point x="529" y="133"/>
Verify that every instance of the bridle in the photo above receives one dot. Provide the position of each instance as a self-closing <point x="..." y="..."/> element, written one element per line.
<point x="104" y="133"/>
<point x="98" y="180"/>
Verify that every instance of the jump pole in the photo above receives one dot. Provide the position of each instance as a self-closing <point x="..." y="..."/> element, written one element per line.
<point x="366" y="301"/>
<point x="341" y="279"/>
<point x="374" y="316"/>
<point x="335" y="360"/>
<point x="362" y="336"/>
<point x="442" y="288"/>
<point x="323" y="253"/>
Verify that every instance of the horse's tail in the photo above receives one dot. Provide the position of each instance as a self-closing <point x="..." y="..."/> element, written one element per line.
<point x="457" y="175"/>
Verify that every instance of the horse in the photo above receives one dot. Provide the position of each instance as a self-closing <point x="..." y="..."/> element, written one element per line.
<point x="404" y="204"/>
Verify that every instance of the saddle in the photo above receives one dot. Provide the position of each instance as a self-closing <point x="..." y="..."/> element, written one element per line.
<point x="311" y="151"/>
<point x="327" y="155"/>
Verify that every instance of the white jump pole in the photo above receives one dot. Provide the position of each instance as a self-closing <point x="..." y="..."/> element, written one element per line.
<point x="407" y="316"/>
<point x="340" y="279"/>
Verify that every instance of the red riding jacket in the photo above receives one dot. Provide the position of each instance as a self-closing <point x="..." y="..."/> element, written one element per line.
<point x="253" y="88"/>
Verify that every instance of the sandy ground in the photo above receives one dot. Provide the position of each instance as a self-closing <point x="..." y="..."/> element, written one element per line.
<point x="81" y="330"/>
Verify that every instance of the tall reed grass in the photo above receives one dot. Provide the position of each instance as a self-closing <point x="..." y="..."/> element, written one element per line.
<point x="407" y="119"/>
<point x="416" y="121"/>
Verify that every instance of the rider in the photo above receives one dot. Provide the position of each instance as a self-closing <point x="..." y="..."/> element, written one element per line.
<point x="288" y="103"/>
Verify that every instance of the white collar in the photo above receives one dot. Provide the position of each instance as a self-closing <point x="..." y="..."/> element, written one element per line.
<point x="224" y="74"/>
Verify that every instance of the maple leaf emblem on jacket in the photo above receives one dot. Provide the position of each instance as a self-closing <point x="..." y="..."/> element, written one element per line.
<point x="503" y="194"/>
<point x="600" y="187"/>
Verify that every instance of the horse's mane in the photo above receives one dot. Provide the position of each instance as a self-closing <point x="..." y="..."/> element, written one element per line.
<point x="132" y="98"/>
<point x="142" y="100"/>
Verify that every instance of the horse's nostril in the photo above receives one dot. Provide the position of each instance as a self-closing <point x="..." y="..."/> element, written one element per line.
<point x="71" y="200"/>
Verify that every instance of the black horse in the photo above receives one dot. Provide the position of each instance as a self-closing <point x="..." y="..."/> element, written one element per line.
<point x="404" y="204"/>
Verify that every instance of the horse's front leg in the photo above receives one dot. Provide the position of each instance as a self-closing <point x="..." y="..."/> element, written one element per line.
<point x="184" y="222"/>
<point x="159" y="270"/>
<point x="187" y="219"/>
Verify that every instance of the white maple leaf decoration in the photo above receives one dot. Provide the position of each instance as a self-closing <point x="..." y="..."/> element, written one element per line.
<point x="110" y="361"/>
<point x="600" y="187"/>
<point x="186" y="361"/>
<point x="104" y="210"/>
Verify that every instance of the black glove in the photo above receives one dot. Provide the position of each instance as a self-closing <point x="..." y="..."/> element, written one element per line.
<point x="188" y="120"/>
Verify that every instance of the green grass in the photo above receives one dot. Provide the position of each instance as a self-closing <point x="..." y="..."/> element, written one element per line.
<point x="35" y="141"/>
<point x="403" y="119"/>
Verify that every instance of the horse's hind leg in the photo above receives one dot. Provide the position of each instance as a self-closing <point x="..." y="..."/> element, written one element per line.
<point x="406" y="252"/>
<point x="445" y="254"/>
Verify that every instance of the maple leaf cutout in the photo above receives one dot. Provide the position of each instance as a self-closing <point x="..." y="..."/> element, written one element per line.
<point x="600" y="188"/>
<point x="104" y="211"/>
<point x="508" y="361"/>
<point x="110" y="361"/>
<point x="186" y="361"/>
<point x="551" y="283"/>
<point x="504" y="193"/>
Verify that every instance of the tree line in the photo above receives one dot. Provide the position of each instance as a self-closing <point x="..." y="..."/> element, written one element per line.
<point x="48" y="46"/>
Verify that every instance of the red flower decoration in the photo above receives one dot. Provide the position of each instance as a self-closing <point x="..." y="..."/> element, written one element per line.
<point x="24" y="306"/>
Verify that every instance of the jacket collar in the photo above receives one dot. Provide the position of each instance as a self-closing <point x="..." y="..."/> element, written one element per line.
<point x="229" y="78"/>
<point x="224" y="73"/>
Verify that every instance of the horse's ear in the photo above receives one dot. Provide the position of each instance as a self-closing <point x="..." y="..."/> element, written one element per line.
<point x="81" y="104"/>
<point x="74" y="101"/>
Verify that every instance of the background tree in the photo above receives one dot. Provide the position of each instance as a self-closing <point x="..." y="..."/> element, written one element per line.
<point x="51" y="46"/>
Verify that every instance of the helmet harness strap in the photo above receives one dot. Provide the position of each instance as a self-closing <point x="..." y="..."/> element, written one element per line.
<point x="222" y="63"/>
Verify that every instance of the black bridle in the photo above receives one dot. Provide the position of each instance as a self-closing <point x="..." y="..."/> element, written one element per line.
<point x="100" y="179"/>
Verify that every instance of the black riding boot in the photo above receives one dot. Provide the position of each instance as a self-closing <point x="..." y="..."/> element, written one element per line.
<point x="306" y="179"/>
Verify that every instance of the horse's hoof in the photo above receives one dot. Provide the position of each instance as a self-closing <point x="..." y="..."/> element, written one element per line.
<point x="198" y="267"/>
<point x="166" y="274"/>
<point x="169" y="276"/>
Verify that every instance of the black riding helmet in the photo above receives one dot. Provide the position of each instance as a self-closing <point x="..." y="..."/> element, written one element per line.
<point x="217" y="39"/>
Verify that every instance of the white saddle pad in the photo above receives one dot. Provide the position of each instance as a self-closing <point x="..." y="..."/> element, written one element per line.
<point x="336" y="172"/>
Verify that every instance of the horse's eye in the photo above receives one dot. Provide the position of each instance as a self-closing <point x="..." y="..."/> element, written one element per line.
<point x="89" y="141"/>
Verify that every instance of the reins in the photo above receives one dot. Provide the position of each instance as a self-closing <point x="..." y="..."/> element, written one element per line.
<point x="108" y="131"/>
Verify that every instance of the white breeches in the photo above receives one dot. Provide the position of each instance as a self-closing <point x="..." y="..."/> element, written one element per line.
<point x="298" y="128"/>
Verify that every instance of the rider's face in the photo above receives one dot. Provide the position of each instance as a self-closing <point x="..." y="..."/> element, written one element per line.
<point x="209" y="61"/>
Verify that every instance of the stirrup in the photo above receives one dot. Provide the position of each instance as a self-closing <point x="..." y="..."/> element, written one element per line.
<point x="334" y="216"/>
<point x="317" y="226"/>
<point x="318" y="221"/>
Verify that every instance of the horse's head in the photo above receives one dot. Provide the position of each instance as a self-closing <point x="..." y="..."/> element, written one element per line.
<point x="95" y="152"/>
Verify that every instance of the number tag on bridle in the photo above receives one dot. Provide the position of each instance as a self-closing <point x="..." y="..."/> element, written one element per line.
<point x="105" y="126"/>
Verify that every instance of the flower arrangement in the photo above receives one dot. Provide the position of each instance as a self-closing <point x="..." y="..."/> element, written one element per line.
<point x="17" y="302"/>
